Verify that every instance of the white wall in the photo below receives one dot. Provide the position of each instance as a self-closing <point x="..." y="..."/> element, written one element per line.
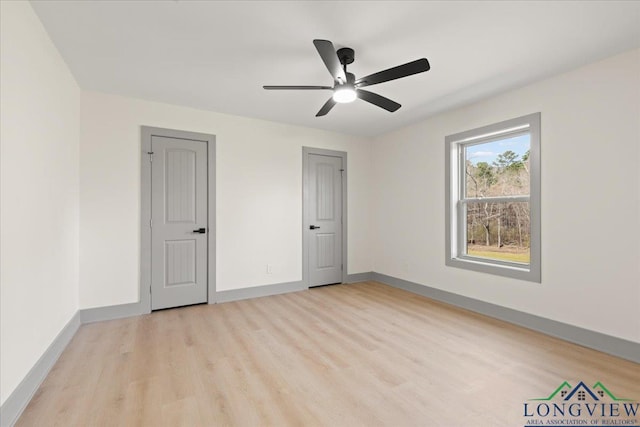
<point x="39" y="114"/>
<point x="590" y="199"/>
<point x="258" y="195"/>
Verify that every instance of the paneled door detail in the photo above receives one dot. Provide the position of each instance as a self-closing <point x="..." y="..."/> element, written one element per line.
<point x="178" y="222"/>
<point x="325" y="219"/>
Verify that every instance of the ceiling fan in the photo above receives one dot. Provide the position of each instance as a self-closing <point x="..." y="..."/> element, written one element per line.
<point x="346" y="88"/>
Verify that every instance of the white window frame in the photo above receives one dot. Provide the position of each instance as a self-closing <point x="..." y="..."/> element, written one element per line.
<point x="455" y="206"/>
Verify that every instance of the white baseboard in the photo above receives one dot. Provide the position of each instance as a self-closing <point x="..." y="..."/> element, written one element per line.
<point x="359" y="277"/>
<point x="259" y="291"/>
<point x="110" y="312"/>
<point x="16" y="403"/>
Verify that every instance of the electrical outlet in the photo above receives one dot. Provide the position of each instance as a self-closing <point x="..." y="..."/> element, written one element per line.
<point x="269" y="269"/>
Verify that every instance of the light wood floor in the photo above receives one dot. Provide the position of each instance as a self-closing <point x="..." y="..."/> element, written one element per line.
<point x="347" y="355"/>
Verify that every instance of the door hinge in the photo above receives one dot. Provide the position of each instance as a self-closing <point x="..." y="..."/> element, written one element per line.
<point x="151" y="222"/>
<point x="341" y="266"/>
<point x="150" y="153"/>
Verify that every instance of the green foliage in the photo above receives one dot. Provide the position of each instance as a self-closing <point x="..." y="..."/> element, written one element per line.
<point x="485" y="173"/>
<point x="508" y="161"/>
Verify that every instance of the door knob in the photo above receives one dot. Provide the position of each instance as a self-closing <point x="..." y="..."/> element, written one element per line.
<point x="200" y="230"/>
<point x="313" y="227"/>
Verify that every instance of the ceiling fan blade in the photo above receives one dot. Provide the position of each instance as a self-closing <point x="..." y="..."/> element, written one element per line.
<point x="378" y="100"/>
<point x="326" y="107"/>
<point x="330" y="58"/>
<point x="296" y="87"/>
<point x="408" y="69"/>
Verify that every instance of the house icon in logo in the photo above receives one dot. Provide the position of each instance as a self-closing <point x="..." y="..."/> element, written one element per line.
<point x="602" y="391"/>
<point x="582" y="392"/>
<point x="562" y="390"/>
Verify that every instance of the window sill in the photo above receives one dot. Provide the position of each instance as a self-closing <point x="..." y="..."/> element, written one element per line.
<point x="514" y="271"/>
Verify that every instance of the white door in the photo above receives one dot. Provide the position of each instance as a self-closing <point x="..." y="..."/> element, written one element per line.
<point x="325" y="219"/>
<point x="179" y="222"/>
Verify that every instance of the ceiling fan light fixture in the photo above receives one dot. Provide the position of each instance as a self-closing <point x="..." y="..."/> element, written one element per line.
<point x="344" y="94"/>
<point x="346" y="87"/>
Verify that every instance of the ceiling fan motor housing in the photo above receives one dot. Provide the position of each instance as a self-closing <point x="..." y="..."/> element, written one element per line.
<point x="346" y="55"/>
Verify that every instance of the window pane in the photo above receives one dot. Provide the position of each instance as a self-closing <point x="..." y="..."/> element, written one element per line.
<point x="499" y="231"/>
<point x="498" y="168"/>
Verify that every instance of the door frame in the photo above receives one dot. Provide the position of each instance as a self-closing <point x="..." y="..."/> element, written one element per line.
<point x="145" y="209"/>
<point x="306" y="151"/>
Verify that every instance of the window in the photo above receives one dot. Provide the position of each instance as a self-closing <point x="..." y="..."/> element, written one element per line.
<point x="493" y="199"/>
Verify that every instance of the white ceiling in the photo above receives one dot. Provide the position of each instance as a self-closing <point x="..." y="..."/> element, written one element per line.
<point x="217" y="55"/>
